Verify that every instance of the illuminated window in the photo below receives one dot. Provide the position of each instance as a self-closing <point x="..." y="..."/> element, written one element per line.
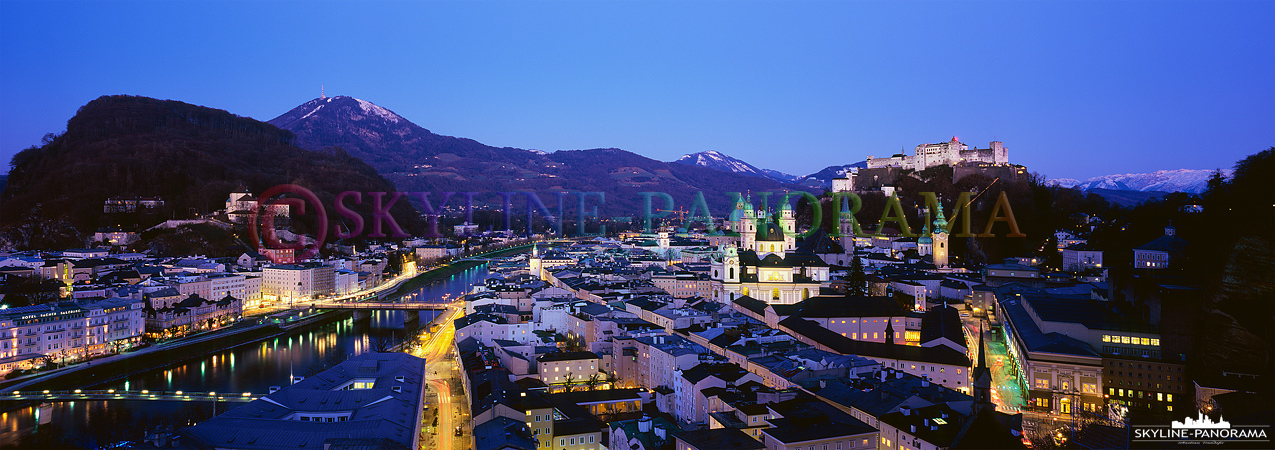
<point x="1106" y="338"/>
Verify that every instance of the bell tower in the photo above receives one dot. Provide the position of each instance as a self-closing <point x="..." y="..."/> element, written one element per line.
<point x="940" y="242"/>
<point x="847" y="223"/>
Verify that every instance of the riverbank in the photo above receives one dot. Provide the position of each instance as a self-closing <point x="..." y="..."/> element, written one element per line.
<point x="169" y="354"/>
<point x="111" y="371"/>
<point x="437" y="274"/>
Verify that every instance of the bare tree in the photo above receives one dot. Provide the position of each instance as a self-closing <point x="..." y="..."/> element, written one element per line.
<point x="594" y="381"/>
<point x="382" y="344"/>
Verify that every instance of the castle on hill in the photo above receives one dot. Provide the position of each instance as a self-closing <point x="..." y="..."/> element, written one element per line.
<point x="950" y="153"/>
<point x="880" y="173"/>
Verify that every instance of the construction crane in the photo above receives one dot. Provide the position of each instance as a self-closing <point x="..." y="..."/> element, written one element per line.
<point x="681" y="213"/>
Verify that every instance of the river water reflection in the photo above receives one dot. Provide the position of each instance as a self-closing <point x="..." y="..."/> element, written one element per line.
<point x="247" y="368"/>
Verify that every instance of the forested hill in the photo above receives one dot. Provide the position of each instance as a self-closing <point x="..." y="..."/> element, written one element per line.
<point x="189" y="155"/>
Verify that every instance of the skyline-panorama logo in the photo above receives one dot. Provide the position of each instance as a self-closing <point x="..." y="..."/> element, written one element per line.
<point x="1201" y="429"/>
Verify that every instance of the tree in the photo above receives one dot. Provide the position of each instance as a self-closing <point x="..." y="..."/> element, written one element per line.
<point x="569" y="381"/>
<point x="858" y="283"/>
<point x="594" y="381"/>
<point x="381" y="344"/>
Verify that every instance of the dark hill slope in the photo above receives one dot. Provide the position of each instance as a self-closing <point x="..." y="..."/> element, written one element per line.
<point x="190" y="155"/>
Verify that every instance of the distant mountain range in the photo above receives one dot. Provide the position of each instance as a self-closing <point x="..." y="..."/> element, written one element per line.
<point x="1182" y="180"/>
<point x="416" y="159"/>
<point x="713" y="159"/>
<point x="719" y="161"/>
<point x="824" y="177"/>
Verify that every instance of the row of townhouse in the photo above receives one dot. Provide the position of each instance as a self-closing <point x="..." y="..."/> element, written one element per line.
<point x="68" y="331"/>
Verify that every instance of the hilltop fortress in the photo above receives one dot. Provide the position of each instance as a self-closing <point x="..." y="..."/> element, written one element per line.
<point x="950" y="153"/>
<point x="881" y="173"/>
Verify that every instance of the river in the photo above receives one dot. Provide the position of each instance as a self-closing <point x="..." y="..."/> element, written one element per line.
<point x="247" y="368"/>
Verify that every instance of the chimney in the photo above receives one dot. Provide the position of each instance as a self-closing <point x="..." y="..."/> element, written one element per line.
<point x="925" y="381"/>
<point x="906" y="410"/>
<point x="823" y="384"/>
<point x="659" y="432"/>
<point x="913" y="429"/>
<point x="644" y="424"/>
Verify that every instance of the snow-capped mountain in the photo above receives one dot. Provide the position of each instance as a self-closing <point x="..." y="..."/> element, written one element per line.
<point x="713" y="159"/>
<point x="823" y="178"/>
<point x="417" y="160"/>
<point x="1181" y="180"/>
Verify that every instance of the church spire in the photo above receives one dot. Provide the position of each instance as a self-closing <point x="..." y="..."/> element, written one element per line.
<point x="982" y="377"/>
<point x="982" y="358"/>
<point x="889" y="331"/>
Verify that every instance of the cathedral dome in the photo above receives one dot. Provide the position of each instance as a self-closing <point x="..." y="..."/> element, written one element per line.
<point x="770" y="232"/>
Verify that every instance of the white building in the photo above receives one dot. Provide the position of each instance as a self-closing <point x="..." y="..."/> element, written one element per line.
<point x="297" y="282"/>
<point x="31" y="335"/>
<point x="944" y="153"/>
<point x="1080" y="257"/>
<point x="241" y="207"/>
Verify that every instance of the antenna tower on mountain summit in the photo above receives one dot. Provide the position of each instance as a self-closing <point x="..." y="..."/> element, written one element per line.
<point x="321" y="94"/>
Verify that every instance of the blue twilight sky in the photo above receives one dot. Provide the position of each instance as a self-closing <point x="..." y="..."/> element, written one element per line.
<point x="1074" y="89"/>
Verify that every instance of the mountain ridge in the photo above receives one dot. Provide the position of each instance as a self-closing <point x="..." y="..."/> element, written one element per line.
<point x="192" y="156"/>
<point x="1193" y="181"/>
<point x="717" y="160"/>
<point x="416" y="159"/>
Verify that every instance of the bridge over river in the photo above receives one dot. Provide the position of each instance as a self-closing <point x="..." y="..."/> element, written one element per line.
<point x="117" y="394"/>
<point x="363" y="310"/>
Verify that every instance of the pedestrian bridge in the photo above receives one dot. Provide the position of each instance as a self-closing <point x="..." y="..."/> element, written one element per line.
<point x="117" y="394"/>
<point x="363" y="310"/>
<point x="402" y="306"/>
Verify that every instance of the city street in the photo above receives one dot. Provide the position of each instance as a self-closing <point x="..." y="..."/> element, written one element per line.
<point x="1007" y="393"/>
<point x="442" y="376"/>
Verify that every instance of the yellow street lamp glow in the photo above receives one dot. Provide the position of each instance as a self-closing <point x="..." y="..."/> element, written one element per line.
<point x="179" y="392"/>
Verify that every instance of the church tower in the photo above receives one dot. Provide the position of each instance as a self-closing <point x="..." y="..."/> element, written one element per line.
<point x="925" y="244"/>
<point x="889" y="331"/>
<point x="788" y="222"/>
<point x="982" y="375"/>
<point x="748" y="226"/>
<point x="533" y="264"/>
<point x="940" y="242"/>
<point x="847" y="227"/>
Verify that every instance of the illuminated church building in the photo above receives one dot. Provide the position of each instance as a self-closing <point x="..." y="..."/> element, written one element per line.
<point x="766" y="263"/>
